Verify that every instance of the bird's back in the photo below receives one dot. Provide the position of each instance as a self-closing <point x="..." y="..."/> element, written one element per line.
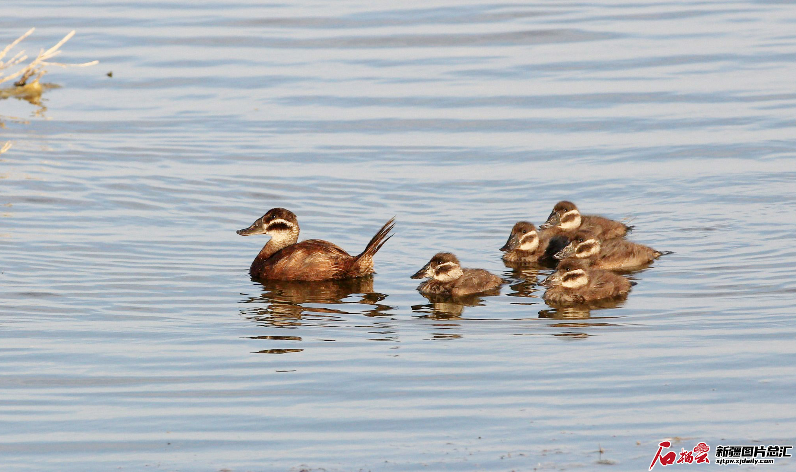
<point x="313" y="259"/>
<point x="602" y="227"/>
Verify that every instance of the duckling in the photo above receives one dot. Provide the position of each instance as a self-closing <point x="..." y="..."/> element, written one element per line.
<point x="613" y="254"/>
<point x="447" y="277"/>
<point x="565" y="219"/>
<point x="283" y="258"/>
<point x="526" y="244"/>
<point x="574" y="284"/>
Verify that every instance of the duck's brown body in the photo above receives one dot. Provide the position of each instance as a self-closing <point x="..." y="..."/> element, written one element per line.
<point x="313" y="259"/>
<point x="282" y="258"/>
<point x="614" y="254"/>
<point x="448" y="278"/>
<point x="565" y="220"/>
<point x="472" y="281"/>
<point x="574" y="285"/>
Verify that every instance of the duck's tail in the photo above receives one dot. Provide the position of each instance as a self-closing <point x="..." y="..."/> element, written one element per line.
<point x="626" y="221"/>
<point x="662" y="253"/>
<point x="363" y="263"/>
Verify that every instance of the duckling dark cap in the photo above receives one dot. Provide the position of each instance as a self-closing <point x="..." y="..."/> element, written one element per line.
<point x="443" y="257"/>
<point x="438" y="259"/>
<point x="564" y="205"/>
<point x="521" y="227"/>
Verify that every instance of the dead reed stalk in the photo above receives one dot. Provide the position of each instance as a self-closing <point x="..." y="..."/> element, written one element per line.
<point x="37" y="67"/>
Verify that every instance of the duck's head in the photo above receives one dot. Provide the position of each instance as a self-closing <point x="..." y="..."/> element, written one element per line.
<point x="584" y="244"/>
<point x="565" y="215"/>
<point x="443" y="267"/>
<point x="523" y="237"/>
<point x="277" y="223"/>
<point x="570" y="274"/>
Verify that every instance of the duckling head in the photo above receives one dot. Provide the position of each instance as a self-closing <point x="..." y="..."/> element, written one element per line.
<point x="523" y="237"/>
<point x="279" y="223"/>
<point x="584" y="244"/>
<point x="565" y="215"/>
<point x="570" y="274"/>
<point x="443" y="267"/>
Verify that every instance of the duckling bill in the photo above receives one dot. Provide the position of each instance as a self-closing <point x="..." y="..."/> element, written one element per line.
<point x="284" y="258"/>
<point x="447" y="277"/>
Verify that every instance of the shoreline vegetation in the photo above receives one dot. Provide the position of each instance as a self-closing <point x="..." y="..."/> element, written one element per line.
<point x="27" y="85"/>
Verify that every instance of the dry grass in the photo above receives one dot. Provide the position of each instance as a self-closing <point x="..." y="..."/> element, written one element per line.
<point x="30" y="73"/>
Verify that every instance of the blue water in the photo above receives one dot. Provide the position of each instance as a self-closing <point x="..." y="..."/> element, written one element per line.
<point x="132" y="338"/>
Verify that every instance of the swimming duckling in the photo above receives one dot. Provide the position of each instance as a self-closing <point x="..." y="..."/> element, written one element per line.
<point x="283" y="258"/>
<point x="526" y="244"/>
<point x="565" y="219"/>
<point x="613" y="254"/>
<point x="573" y="284"/>
<point x="447" y="277"/>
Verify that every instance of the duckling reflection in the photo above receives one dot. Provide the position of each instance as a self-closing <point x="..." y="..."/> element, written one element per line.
<point x="566" y="313"/>
<point x="287" y="301"/>
<point x="524" y="279"/>
<point x="448" y="307"/>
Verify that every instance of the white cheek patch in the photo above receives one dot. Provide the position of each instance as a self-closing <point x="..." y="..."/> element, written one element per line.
<point x="280" y="221"/>
<point x="530" y="242"/>
<point x="588" y="248"/>
<point x="447" y="272"/>
<point x="570" y="220"/>
<point x="574" y="279"/>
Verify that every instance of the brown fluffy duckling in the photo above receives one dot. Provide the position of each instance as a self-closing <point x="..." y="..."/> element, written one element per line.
<point x="526" y="244"/>
<point x="575" y="284"/>
<point x="565" y="219"/>
<point x="613" y="254"/>
<point x="447" y="277"/>
<point x="283" y="258"/>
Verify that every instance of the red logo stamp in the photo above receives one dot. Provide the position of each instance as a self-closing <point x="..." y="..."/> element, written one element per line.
<point x="698" y="455"/>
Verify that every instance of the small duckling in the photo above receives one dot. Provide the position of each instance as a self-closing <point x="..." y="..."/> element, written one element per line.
<point x="613" y="254"/>
<point x="526" y="244"/>
<point x="574" y="284"/>
<point x="283" y="258"/>
<point x="565" y="219"/>
<point x="447" y="277"/>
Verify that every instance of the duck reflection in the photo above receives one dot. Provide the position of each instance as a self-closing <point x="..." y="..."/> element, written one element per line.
<point x="442" y="307"/>
<point x="285" y="303"/>
<point x="525" y="279"/>
<point x="568" y="317"/>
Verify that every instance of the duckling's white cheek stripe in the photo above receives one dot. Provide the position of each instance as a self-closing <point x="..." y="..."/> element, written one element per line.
<point x="570" y="219"/>
<point x="588" y="248"/>
<point x="446" y="264"/>
<point x="529" y="243"/>
<point x="575" y="279"/>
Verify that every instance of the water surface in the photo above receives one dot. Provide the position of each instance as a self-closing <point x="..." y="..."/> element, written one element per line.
<point x="132" y="338"/>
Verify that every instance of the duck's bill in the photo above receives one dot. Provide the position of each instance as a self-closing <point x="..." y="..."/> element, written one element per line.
<point x="566" y="252"/>
<point x="550" y="280"/>
<point x="421" y="274"/>
<point x="255" y="228"/>
<point x="512" y="243"/>
<point x="552" y="220"/>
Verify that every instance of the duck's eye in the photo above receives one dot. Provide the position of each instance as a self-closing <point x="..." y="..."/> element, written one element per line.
<point x="523" y="231"/>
